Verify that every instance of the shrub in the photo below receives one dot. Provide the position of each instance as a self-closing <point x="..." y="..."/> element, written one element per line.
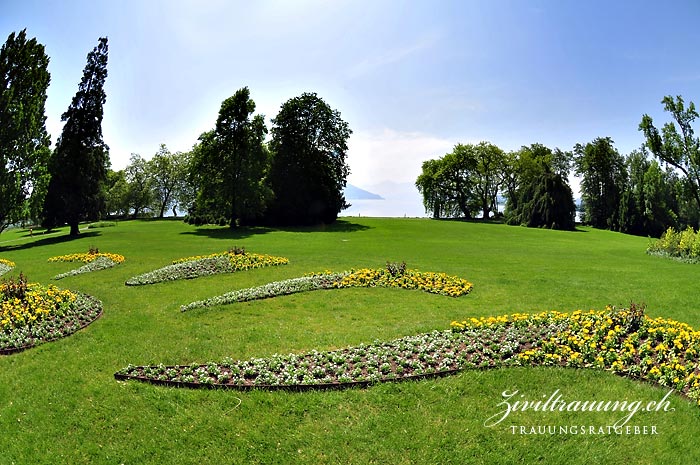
<point x="682" y="245"/>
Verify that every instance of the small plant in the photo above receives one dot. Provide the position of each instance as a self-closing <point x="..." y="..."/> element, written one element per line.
<point x="14" y="288"/>
<point x="396" y="269"/>
<point x="93" y="250"/>
<point x="235" y="250"/>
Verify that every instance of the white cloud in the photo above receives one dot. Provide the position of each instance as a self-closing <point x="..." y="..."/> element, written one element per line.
<point x="390" y="155"/>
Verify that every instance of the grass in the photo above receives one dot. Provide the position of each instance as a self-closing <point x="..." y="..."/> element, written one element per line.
<point x="59" y="402"/>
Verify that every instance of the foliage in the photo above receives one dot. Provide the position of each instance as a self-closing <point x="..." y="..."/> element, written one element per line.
<point x="546" y="202"/>
<point x="604" y="177"/>
<point x="24" y="142"/>
<point x="677" y="145"/>
<point x="523" y="168"/>
<point x="116" y="193"/>
<point x="139" y="195"/>
<point x="79" y="163"/>
<point x="169" y="173"/>
<point x="463" y="182"/>
<point x="230" y="164"/>
<point x="102" y="224"/>
<point x="308" y="171"/>
<point x="683" y="245"/>
<point x="204" y="265"/>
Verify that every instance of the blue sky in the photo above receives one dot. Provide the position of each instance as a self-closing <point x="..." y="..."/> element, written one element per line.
<point x="411" y="78"/>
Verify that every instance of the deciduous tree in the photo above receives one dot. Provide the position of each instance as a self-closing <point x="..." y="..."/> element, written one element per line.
<point x="677" y="145"/>
<point x="309" y="171"/>
<point x="230" y="163"/>
<point x="604" y="176"/>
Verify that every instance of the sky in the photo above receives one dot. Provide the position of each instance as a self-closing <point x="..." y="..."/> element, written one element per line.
<point x="412" y="78"/>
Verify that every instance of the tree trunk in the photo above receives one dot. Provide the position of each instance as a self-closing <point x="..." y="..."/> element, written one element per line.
<point x="74" y="229"/>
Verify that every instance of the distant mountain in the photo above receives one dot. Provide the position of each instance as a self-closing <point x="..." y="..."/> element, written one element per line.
<point x="355" y="193"/>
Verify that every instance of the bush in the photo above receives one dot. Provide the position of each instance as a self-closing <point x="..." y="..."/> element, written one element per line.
<point x="682" y="245"/>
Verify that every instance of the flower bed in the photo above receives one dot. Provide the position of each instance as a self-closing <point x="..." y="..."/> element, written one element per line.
<point x="6" y="266"/>
<point x="94" y="261"/>
<point x="88" y="257"/>
<point x="195" y="267"/>
<point x="437" y="283"/>
<point x="31" y="314"/>
<point x="277" y="288"/>
<point x="625" y="342"/>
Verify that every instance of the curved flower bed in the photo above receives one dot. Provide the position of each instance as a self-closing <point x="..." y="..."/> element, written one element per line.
<point x="625" y="342"/>
<point x="195" y="267"/>
<point x="94" y="261"/>
<point x="437" y="283"/>
<point x="31" y="314"/>
<point x="6" y="266"/>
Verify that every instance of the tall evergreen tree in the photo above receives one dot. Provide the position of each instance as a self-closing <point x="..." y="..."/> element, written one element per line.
<point x="309" y="171"/>
<point x="81" y="159"/>
<point x="24" y="142"/>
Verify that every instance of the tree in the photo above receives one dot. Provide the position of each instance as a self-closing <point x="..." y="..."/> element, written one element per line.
<point x="490" y="164"/>
<point x="447" y="184"/>
<point x="678" y="149"/>
<point x="309" y="171"/>
<point x="80" y="161"/>
<point x="604" y="176"/>
<point x="168" y="176"/>
<point x="538" y="192"/>
<point x="24" y="141"/>
<point x="230" y="163"/>
<point x="138" y="178"/>
<point x="116" y="193"/>
<point x="547" y="201"/>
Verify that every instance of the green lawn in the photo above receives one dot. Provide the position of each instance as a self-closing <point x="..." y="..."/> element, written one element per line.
<point x="59" y="402"/>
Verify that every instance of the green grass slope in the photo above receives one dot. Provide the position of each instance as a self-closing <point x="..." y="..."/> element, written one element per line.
<point x="59" y="402"/>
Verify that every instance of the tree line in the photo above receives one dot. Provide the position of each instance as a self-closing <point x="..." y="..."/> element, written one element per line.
<point x="643" y="193"/>
<point x="231" y="176"/>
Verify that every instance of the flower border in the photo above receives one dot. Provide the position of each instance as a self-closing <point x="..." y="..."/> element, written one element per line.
<point x="436" y="283"/>
<point x="196" y="267"/>
<point x="626" y="342"/>
<point x="86" y="311"/>
<point x="6" y="266"/>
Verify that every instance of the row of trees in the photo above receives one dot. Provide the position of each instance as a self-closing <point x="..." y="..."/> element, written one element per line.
<point x="232" y="173"/>
<point x="63" y="186"/>
<point x="638" y="194"/>
<point x="469" y="181"/>
<point x="232" y="176"/>
<point x="149" y="187"/>
<point x="298" y="178"/>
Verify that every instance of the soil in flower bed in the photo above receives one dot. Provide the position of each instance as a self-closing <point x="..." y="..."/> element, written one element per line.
<point x="84" y="311"/>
